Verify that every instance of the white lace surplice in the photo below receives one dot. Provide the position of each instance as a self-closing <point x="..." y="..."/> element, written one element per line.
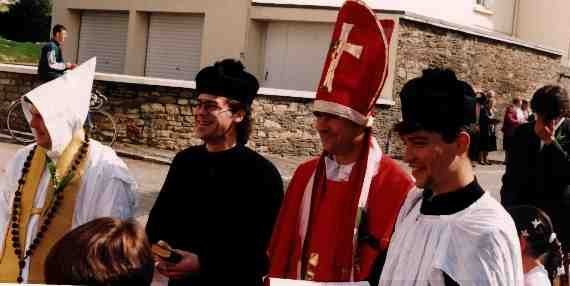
<point x="476" y="246"/>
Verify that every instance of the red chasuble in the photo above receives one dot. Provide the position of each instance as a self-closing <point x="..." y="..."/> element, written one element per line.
<point x="330" y="232"/>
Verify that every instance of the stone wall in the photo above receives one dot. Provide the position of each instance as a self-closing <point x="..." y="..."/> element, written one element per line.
<point x="510" y="70"/>
<point x="564" y="78"/>
<point x="160" y="117"/>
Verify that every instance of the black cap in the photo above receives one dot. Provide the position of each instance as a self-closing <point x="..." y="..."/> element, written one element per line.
<point x="437" y="101"/>
<point x="228" y="78"/>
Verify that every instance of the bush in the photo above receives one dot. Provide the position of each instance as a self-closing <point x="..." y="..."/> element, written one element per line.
<point x="27" y="21"/>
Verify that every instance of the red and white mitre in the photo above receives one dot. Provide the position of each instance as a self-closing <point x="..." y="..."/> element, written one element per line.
<point x="356" y="66"/>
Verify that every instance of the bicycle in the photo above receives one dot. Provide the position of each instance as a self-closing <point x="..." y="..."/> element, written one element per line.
<point x="100" y="125"/>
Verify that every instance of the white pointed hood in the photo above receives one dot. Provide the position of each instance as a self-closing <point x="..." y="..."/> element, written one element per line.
<point x="63" y="104"/>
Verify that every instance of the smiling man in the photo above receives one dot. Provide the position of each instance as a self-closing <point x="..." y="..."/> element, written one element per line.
<point x="451" y="232"/>
<point x="340" y="208"/>
<point x="220" y="199"/>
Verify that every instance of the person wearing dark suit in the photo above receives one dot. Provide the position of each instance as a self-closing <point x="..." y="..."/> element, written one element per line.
<point x="513" y="118"/>
<point x="538" y="172"/>
<point x="487" y="134"/>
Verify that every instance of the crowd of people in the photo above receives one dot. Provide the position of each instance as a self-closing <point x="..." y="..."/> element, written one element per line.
<point x="350" y="215"/>
<point x="484" y="135"/>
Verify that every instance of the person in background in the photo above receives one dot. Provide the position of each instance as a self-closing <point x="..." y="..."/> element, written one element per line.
<point x="526" y="112"/>
<point x="51" y="64"/>
<point x="512" y="119"/>
<point x="538" y="173"/>
<point x="487" y="133"/>
<point x="474" y="130"/>
<point x="490" y="94"/>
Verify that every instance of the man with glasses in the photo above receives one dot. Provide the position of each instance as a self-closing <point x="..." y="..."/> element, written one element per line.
<point x="219" y="202"/>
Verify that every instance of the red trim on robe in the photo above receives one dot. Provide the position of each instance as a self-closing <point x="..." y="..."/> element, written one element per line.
<point x="388" y="192"/>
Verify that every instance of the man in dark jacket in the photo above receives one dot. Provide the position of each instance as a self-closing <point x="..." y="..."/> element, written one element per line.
<point x="539" y="170"/>
<point x="220" y="200"/>
<point x="51" y="63"/>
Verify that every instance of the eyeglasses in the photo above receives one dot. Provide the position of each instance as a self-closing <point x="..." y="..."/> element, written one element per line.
<point x="207" y="105"/>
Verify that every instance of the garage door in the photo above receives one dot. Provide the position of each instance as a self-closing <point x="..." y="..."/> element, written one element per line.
<point x="295" y="54"/>
<point x="104" y="34"/>
<point x="174" y="46"/>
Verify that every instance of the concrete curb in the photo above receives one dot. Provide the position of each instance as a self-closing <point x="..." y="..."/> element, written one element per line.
<point x="141" y="157"/>
<point x="121" y="152"/>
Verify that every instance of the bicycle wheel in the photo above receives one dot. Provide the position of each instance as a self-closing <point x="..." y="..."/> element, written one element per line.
<point x="97" y="100"/>
<point x="18" y="125"/>
<point x="102" y="127"/>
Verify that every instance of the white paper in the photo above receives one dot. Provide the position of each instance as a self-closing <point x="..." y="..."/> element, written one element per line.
<point x="288" y="282"/>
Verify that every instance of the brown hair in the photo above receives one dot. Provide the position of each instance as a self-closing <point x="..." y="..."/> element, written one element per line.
<point x="57" y="29"/>
<point x="243" y="129"/>
<point x="551" y="101"/>
<point x="104" y="252"/>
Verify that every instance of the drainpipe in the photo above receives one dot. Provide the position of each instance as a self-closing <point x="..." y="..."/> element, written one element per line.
<point x="515" y="24"/>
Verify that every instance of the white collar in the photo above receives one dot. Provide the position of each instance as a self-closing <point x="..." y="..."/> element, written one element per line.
<point x="337" y="172"/>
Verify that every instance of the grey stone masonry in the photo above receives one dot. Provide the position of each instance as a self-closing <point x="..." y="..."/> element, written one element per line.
<point x="510" y="70"/>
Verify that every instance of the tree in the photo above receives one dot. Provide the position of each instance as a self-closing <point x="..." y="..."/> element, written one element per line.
<point x="27" y="21"/>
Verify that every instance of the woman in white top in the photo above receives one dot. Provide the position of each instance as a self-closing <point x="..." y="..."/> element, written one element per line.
<point x="541" y="250"/>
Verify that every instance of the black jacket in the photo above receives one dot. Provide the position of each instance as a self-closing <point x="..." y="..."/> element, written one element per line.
<point x="222" y="207"/>
<point x="541" y="177"/>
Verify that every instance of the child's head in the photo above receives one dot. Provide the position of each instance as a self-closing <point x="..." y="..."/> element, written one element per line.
<point x="537" y="237"/>
<point x="106" y="251"/>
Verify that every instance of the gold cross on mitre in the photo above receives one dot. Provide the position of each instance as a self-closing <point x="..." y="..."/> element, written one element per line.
<point x="341" y="46"/>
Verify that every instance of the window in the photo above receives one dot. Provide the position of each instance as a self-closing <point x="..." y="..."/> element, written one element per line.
<point x="484" y="6"/>
<point x="483" y="3"/>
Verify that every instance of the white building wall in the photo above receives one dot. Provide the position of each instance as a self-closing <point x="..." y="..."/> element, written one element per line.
<point x="546" y="23"/>
<point x="498" y="18"/>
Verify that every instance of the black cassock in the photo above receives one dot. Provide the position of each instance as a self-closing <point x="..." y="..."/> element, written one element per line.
<point x="222" y="207"/>
<point x="541" y="176"/>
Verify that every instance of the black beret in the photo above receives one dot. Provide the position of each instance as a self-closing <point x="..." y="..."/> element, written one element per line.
<point x="436" y="101"/>
<point x="228" y="78"/>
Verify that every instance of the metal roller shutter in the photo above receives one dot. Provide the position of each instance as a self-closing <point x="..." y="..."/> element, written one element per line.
<point x="174" y="46"/>
<point x="104" y="35"/>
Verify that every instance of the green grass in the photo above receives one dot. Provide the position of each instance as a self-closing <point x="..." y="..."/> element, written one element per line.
<point x="19" y="53"/>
